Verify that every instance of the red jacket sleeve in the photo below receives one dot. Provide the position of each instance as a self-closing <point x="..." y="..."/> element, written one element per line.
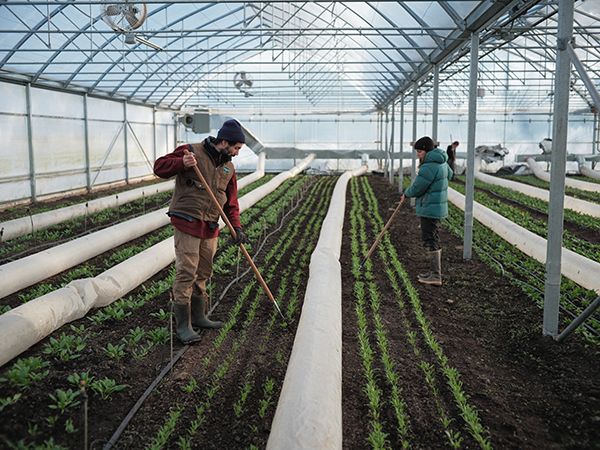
<point x="231" y="208"/>
<point x="170" y="164"/>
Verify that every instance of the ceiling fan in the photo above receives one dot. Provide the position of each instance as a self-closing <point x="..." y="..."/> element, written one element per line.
<point x="125" y="17"/>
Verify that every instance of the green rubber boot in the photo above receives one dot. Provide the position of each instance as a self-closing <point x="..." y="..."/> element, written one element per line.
<point x="199" y="319"/>
<point x="183" y="325"/>
<point x="435" y="274"/>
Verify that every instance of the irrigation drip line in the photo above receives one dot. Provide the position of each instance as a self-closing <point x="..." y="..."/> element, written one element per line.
<point x="115" y="437"/>
<point x="235" y="280"/>
<point x="39" y="247"/>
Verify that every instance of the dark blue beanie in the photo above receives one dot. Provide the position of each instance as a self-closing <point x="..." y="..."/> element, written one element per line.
<point x="231" y="131"/>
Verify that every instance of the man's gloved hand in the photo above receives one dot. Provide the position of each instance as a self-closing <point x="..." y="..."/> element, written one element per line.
<point x="241" y="238"/>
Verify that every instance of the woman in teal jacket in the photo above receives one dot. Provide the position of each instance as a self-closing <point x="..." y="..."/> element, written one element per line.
<point x="431" y="191"/>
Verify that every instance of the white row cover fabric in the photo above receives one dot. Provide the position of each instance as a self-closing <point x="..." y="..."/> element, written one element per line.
<point x="575" y="267"/>
<point x="256" y="175"/>
<point x="586" y="170"/>
<point x="251" y="198"/>
<point x="574" y="204"/>
<point x="22" y="327"/>
<point x="309" y="412"/>
<point x="577" y="184"/>
<point x="24" y="272"/>
<point x="23" y="225"/>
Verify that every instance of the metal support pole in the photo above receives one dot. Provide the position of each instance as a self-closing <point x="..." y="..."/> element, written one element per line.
<point x="32" y="186"/>
<point x="392" y="144"/>
<point x="387" y="148"/>
<point x="154" y="156"/>
<point x="580" y="320"/>
<point x="413" y="172"/>
<point x="556" y="205"/>
<point x="86" y="143"/>
<point x="589" y="84"/>
<point x="470" y="182"/>
<point x="401" y="165"/>
<point x="436" y="94"/>
<point x="125" y="142"/>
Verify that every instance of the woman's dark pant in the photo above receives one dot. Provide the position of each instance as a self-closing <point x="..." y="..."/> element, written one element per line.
<point x="430" y="234"/>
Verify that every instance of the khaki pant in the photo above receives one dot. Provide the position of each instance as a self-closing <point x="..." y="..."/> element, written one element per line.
<point x="194" y="263"/>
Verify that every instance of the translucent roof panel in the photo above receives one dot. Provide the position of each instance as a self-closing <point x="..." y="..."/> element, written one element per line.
<point x="292" y="55"/>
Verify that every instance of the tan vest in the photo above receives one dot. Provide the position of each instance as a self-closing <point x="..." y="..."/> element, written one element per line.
<point x="190" y="196"/>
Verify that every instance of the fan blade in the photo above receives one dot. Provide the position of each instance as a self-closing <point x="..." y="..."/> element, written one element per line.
<point x="131" y="19"/>
<point x="113" y="10"/>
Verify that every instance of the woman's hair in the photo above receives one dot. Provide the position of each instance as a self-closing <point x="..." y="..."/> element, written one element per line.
<point x="425" y="143"/>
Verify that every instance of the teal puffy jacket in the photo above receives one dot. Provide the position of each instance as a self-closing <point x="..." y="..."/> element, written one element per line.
<point x="431" y="185"/>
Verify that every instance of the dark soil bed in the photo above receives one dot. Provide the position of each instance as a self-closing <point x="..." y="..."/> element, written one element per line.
<point x="529" y="391"/>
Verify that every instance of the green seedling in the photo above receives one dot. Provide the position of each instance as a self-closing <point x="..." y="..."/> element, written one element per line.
<point x="114" y="351"/>
<point x="141" y="352"/>
<point x="134" y="336"/>
<point x="25" y="372"/>
<point x="76" y="379"/>
<point x="193" y="384"/>
<point x="107" y="387"/>
<point x="66" y="347"/>
<point x="69" y="427"/>
<point x="161" y="314"/>
<point x="4" y="402"/>
<point x="159" y="335"/>
<point x="64" y="400"/>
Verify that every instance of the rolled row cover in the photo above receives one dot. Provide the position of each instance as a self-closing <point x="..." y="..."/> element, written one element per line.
<point x="24" y="326"/>
<point x="27" y="225"/>
<point x="575" y="267"/>
<point x="577" y="184"/>
<point x="574" y="204"/>
<point x="309" y="412"/>
<point x="24" y="272"/>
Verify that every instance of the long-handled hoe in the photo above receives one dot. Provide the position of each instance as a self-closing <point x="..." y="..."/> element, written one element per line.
<point x="234" y="234"/>
<point x="380" y="235"/>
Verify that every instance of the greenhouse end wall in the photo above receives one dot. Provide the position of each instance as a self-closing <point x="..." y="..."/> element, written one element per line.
<point x="43" y="140"/>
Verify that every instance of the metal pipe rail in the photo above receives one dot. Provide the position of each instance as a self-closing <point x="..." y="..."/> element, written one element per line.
<point x="575" y="324"/>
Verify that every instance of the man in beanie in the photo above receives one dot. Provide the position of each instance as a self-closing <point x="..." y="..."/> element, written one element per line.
<point x="195" y="218"/>
<point x="431" y="191"/>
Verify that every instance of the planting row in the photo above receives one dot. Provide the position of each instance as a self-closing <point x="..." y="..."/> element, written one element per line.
<point x="406" y="376"/>
<point x="130" y="337"/>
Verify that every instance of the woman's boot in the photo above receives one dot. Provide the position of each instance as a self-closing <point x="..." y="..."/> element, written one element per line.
<point x="183" y="325"/>
<point x="435" y="274"/>
<point x="199" y="319"/>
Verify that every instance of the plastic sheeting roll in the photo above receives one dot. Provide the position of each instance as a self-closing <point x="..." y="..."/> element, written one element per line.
<point x="309" y="412"/>
<point x="577" y="184"/>
<point x="574" y="204"/>
<point x="575" y="267"/>
<point x="22" y="327"/>
<point x="26" y="225"/>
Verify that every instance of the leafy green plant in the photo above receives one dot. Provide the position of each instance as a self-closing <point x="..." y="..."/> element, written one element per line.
<point x="193" y="384"/>
<point x="159" y="335"/>
<point x="107" y="387"/>
<point x="66" y="347"/>
<point x="134" y="336"/>
<point x="161" y="314"/>
<point x="64" y="400"/>
<point x="25" y="372"/>
<point x="76" y="379"/>
<point x="114" y="351"/>
<point x="4" y="402"/>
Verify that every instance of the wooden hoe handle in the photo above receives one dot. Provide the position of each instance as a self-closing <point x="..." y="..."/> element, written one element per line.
<point x="233" y="233"/>
<point x="381" y="234"/>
